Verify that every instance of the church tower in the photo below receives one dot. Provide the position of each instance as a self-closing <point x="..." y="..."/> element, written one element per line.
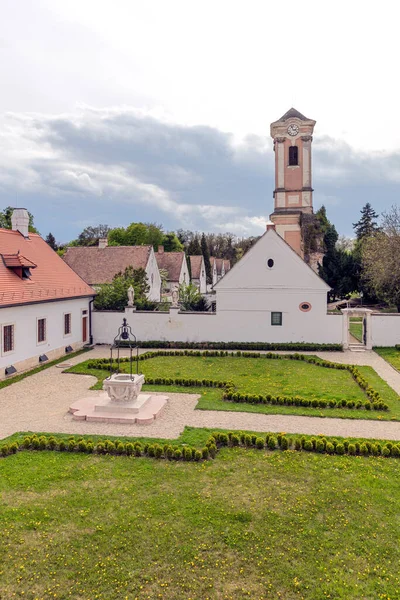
<point x="292" y="135"/>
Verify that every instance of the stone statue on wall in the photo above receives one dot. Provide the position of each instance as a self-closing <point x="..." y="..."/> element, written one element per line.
<point x="131" y="296"/>
<point x="175" y="298"/>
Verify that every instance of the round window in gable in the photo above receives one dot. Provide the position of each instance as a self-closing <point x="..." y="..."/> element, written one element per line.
<point x="270" y="263"/>
<point x="305" y="306"/>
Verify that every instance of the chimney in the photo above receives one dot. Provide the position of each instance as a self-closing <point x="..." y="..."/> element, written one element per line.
<point x="270" y="225"/>
<point x="20" y="221"/>
<point x="160" y="249"/>
<point x="103" y="242"/>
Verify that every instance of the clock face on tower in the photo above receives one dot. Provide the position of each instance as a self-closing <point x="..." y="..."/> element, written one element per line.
<point x="293" y="129"/>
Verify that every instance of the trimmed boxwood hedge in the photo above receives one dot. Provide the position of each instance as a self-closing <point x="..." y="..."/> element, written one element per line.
<point x="375" y="401"/>
<point x="304" y="346"/>
<point x="217" y="440"/>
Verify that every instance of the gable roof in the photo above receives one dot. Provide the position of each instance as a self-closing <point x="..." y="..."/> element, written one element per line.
<point x="50" y="279"/>
<point x="292" y="113"/>
<point x="99" y="265"/>
<point x="218" y="263"/>
<point x="196" y="263"/>
<point x="171" y="262"/>
<point x="289" y="271"/>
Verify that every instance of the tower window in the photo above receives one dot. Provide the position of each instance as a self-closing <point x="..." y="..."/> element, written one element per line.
<point x="293" y="156"/>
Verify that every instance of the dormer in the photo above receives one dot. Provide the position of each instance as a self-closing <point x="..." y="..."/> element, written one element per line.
<point x="19" y="264"/>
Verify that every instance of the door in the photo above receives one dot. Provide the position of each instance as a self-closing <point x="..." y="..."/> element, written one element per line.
<point x="84" y="329"/>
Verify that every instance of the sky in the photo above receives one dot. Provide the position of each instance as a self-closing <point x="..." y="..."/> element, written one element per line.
<point x="125" y="111"/>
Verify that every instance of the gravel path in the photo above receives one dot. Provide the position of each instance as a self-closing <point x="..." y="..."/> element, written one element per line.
<point x="40" y="403"/>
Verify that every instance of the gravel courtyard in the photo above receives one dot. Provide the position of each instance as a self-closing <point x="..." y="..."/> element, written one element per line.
<point x="40" y="403"/>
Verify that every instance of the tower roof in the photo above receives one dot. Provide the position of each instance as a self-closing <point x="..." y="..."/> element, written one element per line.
<point x="293" y="113"/>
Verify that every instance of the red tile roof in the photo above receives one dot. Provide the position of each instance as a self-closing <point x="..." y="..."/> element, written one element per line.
<point x="195" y="265"/>
<point x="51" y="278"/>
<point x="99" y="265"/>
<point x="171" y="262"/>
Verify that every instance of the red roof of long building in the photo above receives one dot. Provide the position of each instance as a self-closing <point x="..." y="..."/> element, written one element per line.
<point x="50" y="278"/>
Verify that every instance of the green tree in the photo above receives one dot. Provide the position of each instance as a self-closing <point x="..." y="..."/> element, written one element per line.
<point x="380" y="259"/>
<point x="191" y="299"/>
<point x="5" y="219"/>
<point x="171" y="243"/>
<point x="194" y="247"/>
<point x="367" y="225"/>
<point x="51" y="241"/>
<point x="206" y="257"/>
<point x="114" y="296"/>
<point x="90" y="235"/>
<point x="137" y="234"/>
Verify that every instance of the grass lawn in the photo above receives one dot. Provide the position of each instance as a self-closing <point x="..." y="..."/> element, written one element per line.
<point x="260" y="375"/>
<point x="356" y="328"/>
<point x="250" y="524"/>
<point x="392" y="355"/>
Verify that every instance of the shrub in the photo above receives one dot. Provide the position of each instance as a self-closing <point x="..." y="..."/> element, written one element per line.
<point x="51" y="443"/>
<point x="235" y="440"/>
<point x="340" y="449"/>
<point x="82" y="447"/>
<point x="129" y="448"/>
<point x="5" y="450"/>
<point x="247" y="441"/>
<point x="385" y="451"/>
<point x="42" y="442"/>
<point x="297" y="444"/>
<point x="27" y="442"/>
<point x="62" y="446"/>
<point x="158" y="451"/>
<point x="206" y="453"/>
<point x="198" y="455"/>
<point x="330" y="448"/>
<point x="177" y="454"/>
<point x="169" y="453"/>
<point x="272" y="441"/>
<point x="71" y="446"/>
<point x="284" y="443"/>
<point x="151" y="451"/>
<point x="308" y="446"/>
<point x="364" y="450"/>
<point x="320" y="446"/>
<point x="351" y="449"/>
<point x="259" y="443"/>
<point x="120" y="448"/>
<point x="212" y="450"/>
<point x="90" y="447"/>
<point x="100" y="448"/>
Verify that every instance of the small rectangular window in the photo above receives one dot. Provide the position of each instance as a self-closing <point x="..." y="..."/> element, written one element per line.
<point x="276" y="318"/>
<point x="41" y="330"/>
<point x="293" y="156"/>
<point x="67" y="323"/>
<point x="8" y="338"/>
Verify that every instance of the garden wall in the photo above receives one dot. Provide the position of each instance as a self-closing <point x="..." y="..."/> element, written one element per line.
<point x="224" y="326"/>
<point x="385" y="329"/>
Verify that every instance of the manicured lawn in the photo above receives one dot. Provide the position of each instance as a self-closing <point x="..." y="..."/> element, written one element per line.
<point x="392" y="355"/>
<point x="356" y="328"/>
<point x="260" y="375"/>
<point x="250" y="524"/>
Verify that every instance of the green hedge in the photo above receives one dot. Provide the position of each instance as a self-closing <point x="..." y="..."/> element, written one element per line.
<point x="375" y="401"/>
<point x="303" y="346"/>
<point x="216" y="441"/>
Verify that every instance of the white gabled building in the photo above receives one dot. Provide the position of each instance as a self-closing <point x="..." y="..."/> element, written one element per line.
<point x="44" y="305"/>
<point x="275" y="296"/>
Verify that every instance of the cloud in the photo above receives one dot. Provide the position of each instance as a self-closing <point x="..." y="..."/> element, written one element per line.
<point x="117" y="165"/>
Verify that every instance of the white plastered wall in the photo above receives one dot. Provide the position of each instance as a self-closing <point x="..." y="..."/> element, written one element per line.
<point x="385" y="329"/>
<point x="27" y="350"/>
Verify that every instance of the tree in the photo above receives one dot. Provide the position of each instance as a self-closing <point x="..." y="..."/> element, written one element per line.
<point x="5" y="219"/>
<point x="381" y="259"/>
<point x="191" y="299"/>
<point x="51" y="241"/>
<point x="171" y="243"/>
<point x="90" y="235"/>
<point x="114" y="296"/>
<point x="194" y="247"/>
<point x="206" y="257"/>
<point x="367" y="225"/>
<point x="138" y="234"/>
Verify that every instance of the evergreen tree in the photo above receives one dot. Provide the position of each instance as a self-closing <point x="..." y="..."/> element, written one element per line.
<point x="51" y="241"/>
<point x="206" y="256"/>
<point x="367" y="224"/>
<point x="194" y="247"/>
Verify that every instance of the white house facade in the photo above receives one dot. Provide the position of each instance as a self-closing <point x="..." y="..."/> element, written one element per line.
<point x="198" y="272"/>
<point x="174" y="264"/>
<point x="44" y="305"/>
